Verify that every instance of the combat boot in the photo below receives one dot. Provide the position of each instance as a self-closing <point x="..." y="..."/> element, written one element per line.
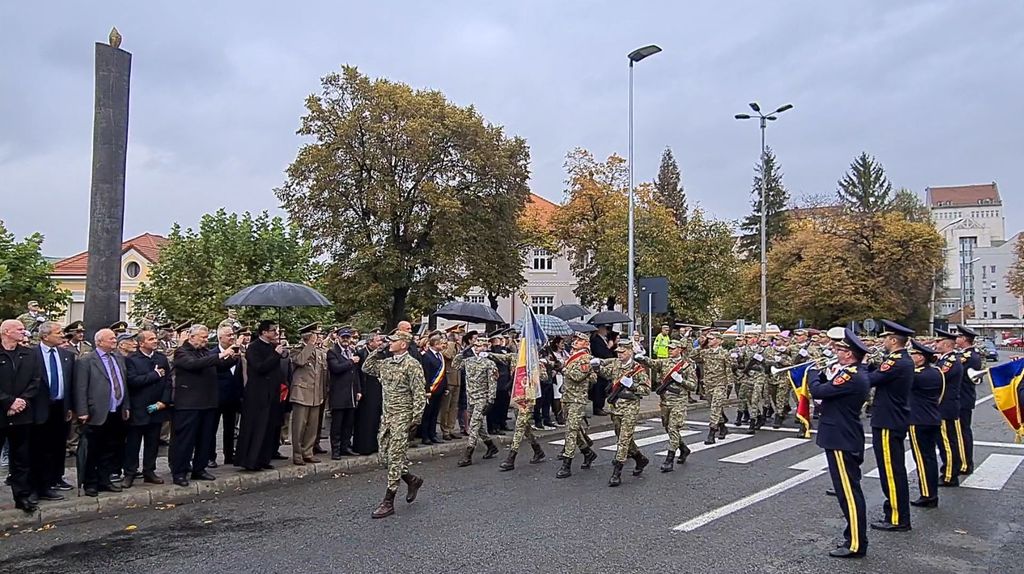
<point x="414" y="482"/>
<point x="616" y="478"/>
<point x="752" y="429"/>
<point x="538" y="454"/>
<point x="641" y="463"/>
<point x="711" y="436"/>
<point x="684" y="451"/>
<point x="669" y="460"/>
<point x="739" y="417"/>
<point x="492" y="449"/>
<point x="777" y="422"/>
<point x="387" y="506"/>
<point x="589" y="456"/>
<point x="467" y="457"/>
<point x="510" y="461"/>
<point x="760" y="422"/>
<point x="722" y="431"/>
<point x="566" y="470"/>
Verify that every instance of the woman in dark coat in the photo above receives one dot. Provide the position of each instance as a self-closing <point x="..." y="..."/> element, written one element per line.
<point x="368" y="411"/>
<point x="261" y="400"/>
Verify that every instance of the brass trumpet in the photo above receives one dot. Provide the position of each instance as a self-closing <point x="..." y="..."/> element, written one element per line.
<point x="975" y="374"/>
<point x="820" y="363"/>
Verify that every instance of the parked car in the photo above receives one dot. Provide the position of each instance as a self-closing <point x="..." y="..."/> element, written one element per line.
<point x="1014" y="342"/>
<point x="991" y="353"/>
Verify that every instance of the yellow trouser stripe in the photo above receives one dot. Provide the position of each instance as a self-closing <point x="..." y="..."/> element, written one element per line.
<point x="890" y="479"/>
<point x="948" y="476"/>
<point x="922" y="479"/>
<point x="851" y="504"/>
<point x="960" y="446"/>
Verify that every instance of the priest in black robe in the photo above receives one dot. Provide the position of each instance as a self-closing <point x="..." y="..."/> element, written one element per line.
<point x="370" y="407"/>
<point x="261" y="401"/>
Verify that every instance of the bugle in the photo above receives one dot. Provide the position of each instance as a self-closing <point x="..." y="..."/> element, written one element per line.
<point x="701" y="327"/>
<point x="975" y="374"/>
<point x="820" y="363"/>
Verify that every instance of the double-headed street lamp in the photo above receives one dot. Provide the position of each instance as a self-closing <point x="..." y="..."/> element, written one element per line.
<point x="764" y="186"/>
<point x="634" y="57"/>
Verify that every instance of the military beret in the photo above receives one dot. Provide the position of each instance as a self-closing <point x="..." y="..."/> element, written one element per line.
<point x="893" y="328"/>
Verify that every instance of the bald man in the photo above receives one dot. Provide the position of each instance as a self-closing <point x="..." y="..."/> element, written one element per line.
<point x="414" y="350"/>
<point x="101" y="403"/>
<point x="20" y="381"/>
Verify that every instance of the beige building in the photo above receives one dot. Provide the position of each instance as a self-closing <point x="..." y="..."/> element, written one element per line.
<point x="138" y="255"/>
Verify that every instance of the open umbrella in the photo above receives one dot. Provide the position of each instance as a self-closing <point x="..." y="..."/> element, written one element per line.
<point x="469" y="312"/>
<point x="609" y="317"/>
<point x="571" y="311"/>
<point x="277" y="294"/>
<point x="552" y="326"/>
<point x="581" y="327"/>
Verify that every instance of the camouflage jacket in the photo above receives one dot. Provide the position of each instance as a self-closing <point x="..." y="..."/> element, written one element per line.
<point x="717" y="366"/>
<point x="662" y="369"/>
<point x="615" y="371"/>
<point x="481" y="380"/>
<point x="402" y="382"/>
<point x="577" y="376"/>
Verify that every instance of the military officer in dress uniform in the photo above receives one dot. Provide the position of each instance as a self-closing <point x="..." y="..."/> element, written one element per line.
<point x="119" y="328"/>
<point x="970" y="358"/>
<point x="925" y="395"/>
<point x="949" y="409"/>
<point x="78" y="344"/>
<point x="841" y="435"/>
<point x="892" y="382"/>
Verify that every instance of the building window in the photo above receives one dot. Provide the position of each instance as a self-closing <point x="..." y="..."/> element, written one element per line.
<point x="993" y="269"/>
<point x="474" y="299"/>
<point x="542" y="304"/>
<point x="132" y="269"/>
<point x="542" y="260"/>
<point x="993" y="302"/>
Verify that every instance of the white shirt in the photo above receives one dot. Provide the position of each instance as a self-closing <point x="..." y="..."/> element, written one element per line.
<point x="46" y="350"/>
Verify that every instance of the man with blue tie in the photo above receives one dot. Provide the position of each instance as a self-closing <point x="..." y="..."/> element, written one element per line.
<point x="102" y="406"/>
<point x="52" y="414"/>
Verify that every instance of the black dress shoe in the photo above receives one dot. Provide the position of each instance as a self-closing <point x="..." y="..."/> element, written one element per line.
<point x="27" y="505"/>
<point x="91" y="492"/>
<point x="212" y="464"/>
<point x="318" y="450"/>
<point x="110" y="488"/>
<point x="129" y="480"/>
<point x="151" y="478"/>
<point x="50" y="495"/>
<point x="348" y="452"/>
<point x="889" y="526"/>
<point x="203" y="476"/>
<point x="925" y="502"/>
<point x="181" y="481"/>
<point x="62" y="485"/>
<point x="844" y="552"/>
<point x="950" y="484"/>
<point x="278" y="456"/>
<point x="600" y="413"/>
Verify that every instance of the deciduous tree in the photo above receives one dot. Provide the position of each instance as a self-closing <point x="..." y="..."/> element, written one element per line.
<point x="25" y="276"/>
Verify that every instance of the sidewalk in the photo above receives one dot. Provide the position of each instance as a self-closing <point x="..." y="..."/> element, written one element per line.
<point x="231" y="481"/>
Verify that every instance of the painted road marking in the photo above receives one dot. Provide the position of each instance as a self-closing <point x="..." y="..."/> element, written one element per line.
<point x="908" y="460"/>
<point x="993" y="473"/>
<point x="640" y="442"/>
<point x="749" y="456"/>
<point x="602" y="435"/>
<point x="699" y="446"/>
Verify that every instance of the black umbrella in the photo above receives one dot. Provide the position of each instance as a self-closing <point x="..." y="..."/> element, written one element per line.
<point x="581" y="327"/>
<point x="277" y="294"/>
<point x="469" y="312"/>
<point x="609" y="317"/>
<point x="572" y="311"/>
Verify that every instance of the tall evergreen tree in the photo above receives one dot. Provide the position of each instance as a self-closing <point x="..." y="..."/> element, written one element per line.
<point x="865" y="188"/>
<point x="668" y="187"/>
<point x="776" y="201"/>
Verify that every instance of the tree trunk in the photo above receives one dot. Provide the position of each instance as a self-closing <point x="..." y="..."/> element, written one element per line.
<point x="611" y="303"/>
<point x="397" y="312"/>
<point x="493" y="300"/>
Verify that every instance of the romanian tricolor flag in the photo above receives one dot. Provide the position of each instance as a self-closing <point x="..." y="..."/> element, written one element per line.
<point x="526" y="378"/>
<point x="1006" y="380"/>
<point x="798" y="377"/>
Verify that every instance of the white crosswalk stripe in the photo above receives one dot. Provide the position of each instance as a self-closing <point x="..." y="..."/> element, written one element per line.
<point x="908" y="460"/>
<point x="993" y="473"/>
<point x="646" y="441"/>
<point x="699" y="446"/>
<point x="757" y="453"/>
<point x="602" y="435"/>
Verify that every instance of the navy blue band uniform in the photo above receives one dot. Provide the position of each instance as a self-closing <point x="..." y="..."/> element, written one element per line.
<point x="925" y="395"/>
<point x="970" y="359"/>
<point x="949" y="410"/>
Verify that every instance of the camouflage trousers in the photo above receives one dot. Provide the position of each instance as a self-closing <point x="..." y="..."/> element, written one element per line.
<point x="673" y="418"/>
<point x="756" y="396"/>
<point x="746" y="387"/>
<point x="624" y="418"/>
<point x="716" y="396"/>
<point x="777" y="395"/>
<point x="394" y="444"/>
<point x="523" y="426"/>
<point x="574" y="433"/>
<point x="477" y="428"/>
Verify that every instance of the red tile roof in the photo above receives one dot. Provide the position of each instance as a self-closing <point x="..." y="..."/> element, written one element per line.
<point x="540" y="209"/>
<point x="147" y="244"/>
<point x="963" y="195"/>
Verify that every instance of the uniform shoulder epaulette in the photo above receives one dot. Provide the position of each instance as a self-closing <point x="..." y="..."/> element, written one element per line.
<point x="894" y="355"/>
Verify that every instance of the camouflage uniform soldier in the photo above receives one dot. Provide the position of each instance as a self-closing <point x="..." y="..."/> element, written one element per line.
<point x="404" y="389"/>
<point x="776" y="386"/>
<point x="481" y="388"/>
<point x="742" y="355"/>
<point x="756" y="369"/>
<point x="577" y="377"/>
<point x="524" y="412"/>
<point x="673" y="376"/>
<point x="231" y="321"/>
<point x="629" y="383"/>
<point x="717" y="376"/>
<point x="32" y="319"/>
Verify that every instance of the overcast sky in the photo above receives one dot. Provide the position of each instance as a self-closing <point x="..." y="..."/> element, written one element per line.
<point x="933" y="89"/>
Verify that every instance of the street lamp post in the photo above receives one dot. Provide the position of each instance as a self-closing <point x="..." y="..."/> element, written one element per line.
<point x="931" y="303"/>
<point x="634" y="57"/>
<point x="764" y="119"/>
<point x="963" y="290"/>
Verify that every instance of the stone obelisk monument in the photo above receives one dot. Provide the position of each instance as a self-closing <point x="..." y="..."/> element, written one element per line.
<point x="106" y="203"/>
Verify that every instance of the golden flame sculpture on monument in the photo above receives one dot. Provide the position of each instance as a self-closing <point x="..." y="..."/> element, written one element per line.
<point x="115" y="38"/>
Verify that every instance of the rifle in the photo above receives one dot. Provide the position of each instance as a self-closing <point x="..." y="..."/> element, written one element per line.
<point x="663" y="387"/>
<point x="617" y="387"/>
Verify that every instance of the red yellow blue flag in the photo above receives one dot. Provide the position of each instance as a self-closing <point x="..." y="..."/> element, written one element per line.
<point x="1006" y="380"/>
<point x="798" y="377"/>
<point x="526" y="377"/>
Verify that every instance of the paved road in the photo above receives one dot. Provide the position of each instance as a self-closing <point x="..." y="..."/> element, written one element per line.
<point x="478" y="519"/>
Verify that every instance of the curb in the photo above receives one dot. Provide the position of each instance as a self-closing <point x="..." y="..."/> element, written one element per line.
<point x="166" y="496"/>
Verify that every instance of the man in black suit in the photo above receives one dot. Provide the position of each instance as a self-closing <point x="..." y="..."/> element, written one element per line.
<point x="229" y="393"/>
<point x="602" y="346"/>
<point x="102" y="406"/>
<point x="52" y="413"/>
<point x="437" y="384"/>
<point x="345" y="390"/>
<point x="19" y="383"/>
<point x="195" y="405"/>
<point x="149" y="387"/>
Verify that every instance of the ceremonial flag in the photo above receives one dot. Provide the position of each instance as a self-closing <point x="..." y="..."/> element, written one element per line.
<point x="798" y="377"/>
<point x="526" y="378"/>
<point x="1006" y="379"/>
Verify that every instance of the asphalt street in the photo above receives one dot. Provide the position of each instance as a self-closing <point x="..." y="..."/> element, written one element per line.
<point x="748" y="513"/>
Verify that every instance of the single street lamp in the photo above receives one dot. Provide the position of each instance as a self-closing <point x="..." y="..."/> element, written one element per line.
<point x="963" y="290"/>
<point x="764" y="119"/>
<point x="634" y="57"/>
<point x="931" y="305"/>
